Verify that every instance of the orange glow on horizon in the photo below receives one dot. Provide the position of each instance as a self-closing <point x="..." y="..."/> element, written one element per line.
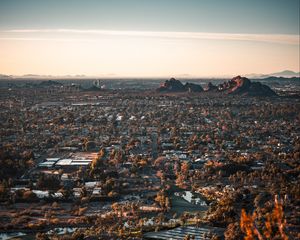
<point x="136" y="54"/>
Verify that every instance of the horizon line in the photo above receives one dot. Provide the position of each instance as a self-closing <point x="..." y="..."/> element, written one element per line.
<point x="115" y="76"/>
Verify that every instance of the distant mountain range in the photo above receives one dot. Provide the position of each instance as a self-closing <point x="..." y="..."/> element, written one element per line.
<point x="282" y="74"/>
<point x="39" y="77"/>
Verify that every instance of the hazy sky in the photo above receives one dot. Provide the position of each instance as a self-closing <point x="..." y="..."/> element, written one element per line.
<point x="145" y="38"/>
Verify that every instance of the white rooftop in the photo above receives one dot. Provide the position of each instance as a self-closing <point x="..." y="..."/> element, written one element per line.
<point x="64" y="162"/>
<point x="75" y="163"/>
<point x="46" y="164"/>
<point x="52" y="159"/>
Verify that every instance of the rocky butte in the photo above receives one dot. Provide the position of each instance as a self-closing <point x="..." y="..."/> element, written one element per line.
<point x="174" y="85"/>
<point x="237" y="86"/>
<point x="243" y="86"/>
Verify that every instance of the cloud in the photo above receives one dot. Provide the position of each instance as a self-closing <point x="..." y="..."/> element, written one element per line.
<point x="47" y="39"/>
<point x="268" y="38"/>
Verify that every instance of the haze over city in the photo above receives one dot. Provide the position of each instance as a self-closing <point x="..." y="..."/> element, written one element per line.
<point x="149" y="38"/>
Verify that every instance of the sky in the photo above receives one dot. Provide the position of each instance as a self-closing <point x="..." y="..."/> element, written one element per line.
<point x="142" y="38"/>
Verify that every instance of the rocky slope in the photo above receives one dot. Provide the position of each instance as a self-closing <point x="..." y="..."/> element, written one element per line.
<point x="236" y="86"/>
<point x="243" y="86"/>
<point x="174" y="85"/>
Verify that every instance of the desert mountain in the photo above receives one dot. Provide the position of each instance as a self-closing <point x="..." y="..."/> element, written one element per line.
<point x="174" y="85"/>
<point x="236" y="86"/>
<point x="243" y="86"/>
<point x="282" y="74"/>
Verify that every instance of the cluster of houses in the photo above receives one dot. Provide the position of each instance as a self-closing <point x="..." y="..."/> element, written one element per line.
<point x="129" y="137"/>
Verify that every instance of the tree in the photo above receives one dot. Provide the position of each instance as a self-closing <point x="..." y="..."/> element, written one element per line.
<point x="29" y="196"/>
<point x="180" y="180"/>
<point x="83" y="192"/>
<point x="67" y="193"/>
<point x="48" y="182"/>
<point x="42" y="236"/>
<point x="274" y="225"/>
<point x="4" y="190"/>
<point x="233" y="232"/>
<point x="161" y="175"/>
<point x="163" y="200"/>
<point x="185" y="169"/>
